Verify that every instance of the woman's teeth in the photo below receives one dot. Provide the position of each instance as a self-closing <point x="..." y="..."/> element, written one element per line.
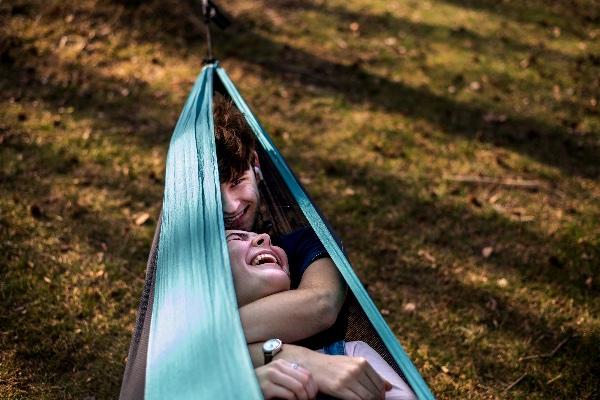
<point x="263" y="259"/>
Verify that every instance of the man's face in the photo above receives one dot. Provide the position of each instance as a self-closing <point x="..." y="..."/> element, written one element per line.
<point x="240" y="199"/>
<point x="259" y="268"/>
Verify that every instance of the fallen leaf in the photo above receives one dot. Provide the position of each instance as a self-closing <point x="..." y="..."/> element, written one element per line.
<point x="47" y="280"/>
<point x="426" y="255"/>
<point x="491" y="304"/>
<point x="354" y="27"/>
<point x="588" y="282"/>
<point x="487" y="251"/>
<point x="494" y="198"/>
<point x="502" y="282"/>
<point x="556" y="31"/>
<point x="475" y="85"/>
<point x="142" y="218"/>
<point x="390" y="41"/>
<point x="494" y="118"/>
<point x="410" y="307"/>
<point x="385" y="311"/>
<point x="445" y="369"/>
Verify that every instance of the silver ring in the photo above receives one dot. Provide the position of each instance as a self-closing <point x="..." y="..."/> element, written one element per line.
<point x="295" y="365"/>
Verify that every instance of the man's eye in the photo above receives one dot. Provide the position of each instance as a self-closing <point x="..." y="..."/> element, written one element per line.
<point x="236" y="181"/>
<point x="233" y="237"/>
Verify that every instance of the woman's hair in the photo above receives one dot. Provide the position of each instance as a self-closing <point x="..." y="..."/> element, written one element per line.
<point x="234" y="139"/>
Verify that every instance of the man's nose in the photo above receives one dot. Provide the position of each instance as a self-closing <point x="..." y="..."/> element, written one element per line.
<point x="261" y="239"/>
<point x="230" y="203"/>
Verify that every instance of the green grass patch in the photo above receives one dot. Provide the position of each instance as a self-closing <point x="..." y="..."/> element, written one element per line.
<point x="454" y="145"/>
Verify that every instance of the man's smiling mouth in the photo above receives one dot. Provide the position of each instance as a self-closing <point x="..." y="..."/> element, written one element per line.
<point x="235" y="218"/>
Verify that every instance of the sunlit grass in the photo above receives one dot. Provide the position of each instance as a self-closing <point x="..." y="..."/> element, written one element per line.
<point x="380" y="107"/>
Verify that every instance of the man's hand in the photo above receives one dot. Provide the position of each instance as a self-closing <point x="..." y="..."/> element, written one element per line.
<point x="283" y="380"/>
<point x="340" y="376"/>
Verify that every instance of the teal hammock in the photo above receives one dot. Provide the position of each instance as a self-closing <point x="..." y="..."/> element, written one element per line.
<point x="188" y="342"/>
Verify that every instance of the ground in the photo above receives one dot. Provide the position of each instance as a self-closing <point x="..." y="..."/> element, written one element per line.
<point x="453" y="145"/>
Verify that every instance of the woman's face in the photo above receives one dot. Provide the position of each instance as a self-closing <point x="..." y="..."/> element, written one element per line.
<point x="259" y="268"/>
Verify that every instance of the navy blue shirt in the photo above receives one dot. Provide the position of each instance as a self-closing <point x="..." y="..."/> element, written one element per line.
<point x="302" y="247"/>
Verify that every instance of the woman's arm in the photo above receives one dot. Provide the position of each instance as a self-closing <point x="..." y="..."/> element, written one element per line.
<point x="297" y="314"/>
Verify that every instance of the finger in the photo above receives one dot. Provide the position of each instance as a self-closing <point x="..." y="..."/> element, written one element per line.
<point x="388" y="385"/>
<point x="293" y="380"/>
<point x="378" y="383"/>
<point x="312" y="387"/>
<point x="305" y="377"/>
<point x="350" y="394"/>
<point x="366" y="388"/>
<point x="359" y="381"/>
<point x="279" y="392"/>
<point x="360" y="391"/>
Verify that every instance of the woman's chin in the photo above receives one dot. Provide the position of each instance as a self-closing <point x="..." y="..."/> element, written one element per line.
<point x="275" y="283"/>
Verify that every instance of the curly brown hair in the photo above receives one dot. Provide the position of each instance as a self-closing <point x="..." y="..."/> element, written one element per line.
<point x="234" y="139"/>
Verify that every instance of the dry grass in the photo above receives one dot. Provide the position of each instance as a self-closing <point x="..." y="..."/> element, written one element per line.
<point x="381" y="107"/>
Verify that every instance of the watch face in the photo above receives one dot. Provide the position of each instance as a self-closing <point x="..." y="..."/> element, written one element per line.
<point x="271" y="344"/>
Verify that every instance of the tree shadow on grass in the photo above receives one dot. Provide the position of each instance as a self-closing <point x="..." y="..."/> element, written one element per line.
<point x="545" y="141"/>
<point x="411" y="222"/>
<point x="67" y="318"/>
<point x="355" y="83"/>
<point x="140" y="113"/>
<point x="522" y="250"/>
<point x="488" y="323"/>
<point x="549" y="143"/>
<point x="386" y="24"/>
<point x="559" y="13"/>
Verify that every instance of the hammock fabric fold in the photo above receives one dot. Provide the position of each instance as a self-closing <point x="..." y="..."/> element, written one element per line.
<point x="188" y="340"/>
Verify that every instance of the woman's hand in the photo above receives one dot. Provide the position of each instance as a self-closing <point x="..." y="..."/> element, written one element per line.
<point x="348" y="378"/>
<point x="283" y="380"/>
<point x="343" y="377"/>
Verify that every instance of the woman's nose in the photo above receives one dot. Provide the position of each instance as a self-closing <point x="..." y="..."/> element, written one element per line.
<point x="261" y="239"/>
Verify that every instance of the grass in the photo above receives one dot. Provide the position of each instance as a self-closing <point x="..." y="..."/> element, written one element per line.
<point x="380" y="107"/>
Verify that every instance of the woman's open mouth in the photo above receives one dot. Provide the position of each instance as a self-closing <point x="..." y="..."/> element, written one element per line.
<point x="268" y="258"/>
<point x="264" y="258"/>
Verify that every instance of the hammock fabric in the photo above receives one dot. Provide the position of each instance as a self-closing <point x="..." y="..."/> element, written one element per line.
<point x="188" y="340"/>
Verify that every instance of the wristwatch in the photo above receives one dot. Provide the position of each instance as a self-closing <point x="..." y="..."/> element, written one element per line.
<point x="270" y="348"/>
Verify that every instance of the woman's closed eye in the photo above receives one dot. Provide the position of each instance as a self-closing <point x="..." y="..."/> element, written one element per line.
<point x="236" y="236"/>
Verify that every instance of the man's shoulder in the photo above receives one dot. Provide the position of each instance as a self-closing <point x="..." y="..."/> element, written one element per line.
<point x="296" y="238"/>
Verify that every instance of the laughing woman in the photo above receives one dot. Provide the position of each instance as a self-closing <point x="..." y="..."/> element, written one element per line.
<point x="261" y="269"/>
